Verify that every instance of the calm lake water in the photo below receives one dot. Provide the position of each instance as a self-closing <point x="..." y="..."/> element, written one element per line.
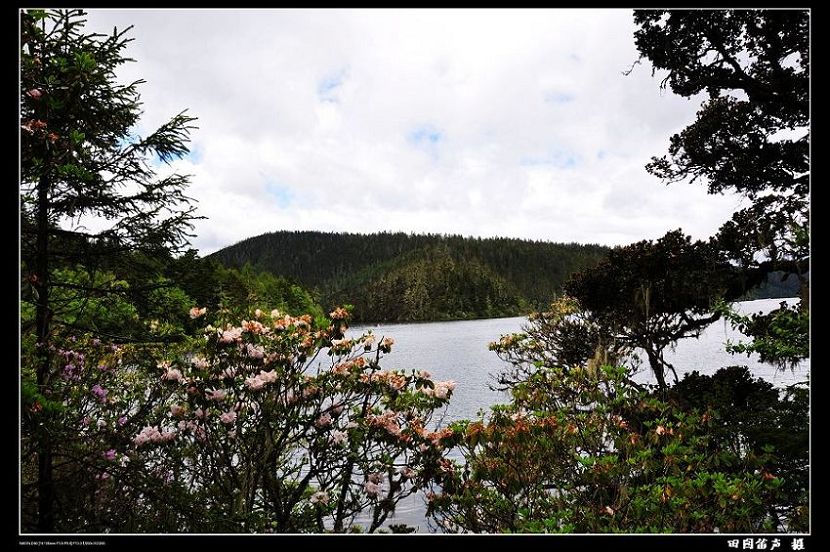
<point x="459" y="351"/>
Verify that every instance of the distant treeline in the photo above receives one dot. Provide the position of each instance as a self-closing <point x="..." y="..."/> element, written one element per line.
<point x="778" y="285"/>
<point x="402" y="277"/>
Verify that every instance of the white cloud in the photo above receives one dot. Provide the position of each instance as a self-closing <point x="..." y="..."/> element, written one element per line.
<point x="509" y="123"/>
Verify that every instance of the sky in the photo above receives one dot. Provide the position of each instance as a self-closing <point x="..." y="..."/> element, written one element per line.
<point x="480" y="123"/>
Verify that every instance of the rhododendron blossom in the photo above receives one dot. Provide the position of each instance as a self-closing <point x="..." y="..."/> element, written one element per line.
<point x="152" y="434"/>
<point x="339" y="437"/>
<point x="196" y="312"/>
<point x="323" y="421"/>
<point x="254" y="351"/>
<point x="303" y="404"/>
<point x="172" y="375"/>
<point x="99" y="392"/>
<point x="230" y="335"/>
<point x="320" y="497"/>
<point x="372" y="489"/>
<point x="216" y="395"/>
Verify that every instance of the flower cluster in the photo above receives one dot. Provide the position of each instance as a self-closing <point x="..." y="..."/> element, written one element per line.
<point x="441" y="389"/>
<point x="256" y="386"/>
<point x="152" y="434"/>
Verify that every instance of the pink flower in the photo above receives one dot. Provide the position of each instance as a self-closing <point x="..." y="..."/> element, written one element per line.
<point x="147" y="435"/>
<point x="196" y="312"/>
<point x="253" y="326"/>
<point x="424" y="374"/>
<point x="255" y="351"/>
<point x="122" y="420"/>
<point x="228" y="417"/>
<point x="34" y="93"/>
<point x="176" y="410"/>
<point x="441" y="389"/>
<point x="407" y="472"/>
<point x="110" y="454"/>
<point x="268" y="377"/>
<point x="339" y="314"/>
<point x="172" y="375"/>
<point x="323" y="421"/>
<point x="254" y="383"/>
<point x="99" y="392"/>
<point x="660" y="430"/>
<point x="319" y="498"/>
<point x="200" y="362"/>
<point x="231" y="335"/>
<point x="376" y="478"/>
<point x="339" y="437"/>
<point x="216" y="394"/>
<point x="372" y="489"/>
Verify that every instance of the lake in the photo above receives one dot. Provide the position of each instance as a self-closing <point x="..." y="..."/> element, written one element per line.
<point x="459" y="351"/>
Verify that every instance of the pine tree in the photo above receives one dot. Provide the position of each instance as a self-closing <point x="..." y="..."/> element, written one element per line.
<point x="80" y="161"/>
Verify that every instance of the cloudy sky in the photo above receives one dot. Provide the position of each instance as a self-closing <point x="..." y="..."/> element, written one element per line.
<point x="480" y="123"/>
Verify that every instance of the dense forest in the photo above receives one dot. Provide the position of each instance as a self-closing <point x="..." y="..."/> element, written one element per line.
<point x="406" y="277"/>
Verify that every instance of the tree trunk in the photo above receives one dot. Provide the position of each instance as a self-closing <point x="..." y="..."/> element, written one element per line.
<point x="657" y="367"/>
<point x="45" y="483"/>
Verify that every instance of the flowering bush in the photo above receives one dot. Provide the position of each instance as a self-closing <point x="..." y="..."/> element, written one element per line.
<point x="581" y="448"/>
<point x="599" y="456"/>
<point x="263" y="424"/>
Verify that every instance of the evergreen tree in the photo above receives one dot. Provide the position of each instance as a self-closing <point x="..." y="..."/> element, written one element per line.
<point x="80" y="161"/>
<point x="751" y="136"/>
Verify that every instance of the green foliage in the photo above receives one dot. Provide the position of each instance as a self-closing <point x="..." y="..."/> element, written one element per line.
<point x="651" y="294"/>
<point x="248" y="287"/>
<point x="750" y="416"/>
<point x="586" y="452"/>
<point x="77" y="143"/>
<point x="98" y="394"/>
<point x="733" y="143"/>
<point x="429" y="284"/>
<point x="80" y="160"/>
<point x="581" y="448"/>
<point x="780" y="337"/>
<point x="396" y="276"/>
<point x="563" y="336"/>
<point x="751" y="136"/>
<point x="107" y="309"/>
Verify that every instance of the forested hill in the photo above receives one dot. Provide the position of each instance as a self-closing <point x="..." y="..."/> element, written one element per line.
<point x="397" y="276"/>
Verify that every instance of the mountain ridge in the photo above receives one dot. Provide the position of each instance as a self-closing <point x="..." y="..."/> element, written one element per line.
<point x="394" y="276"/>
